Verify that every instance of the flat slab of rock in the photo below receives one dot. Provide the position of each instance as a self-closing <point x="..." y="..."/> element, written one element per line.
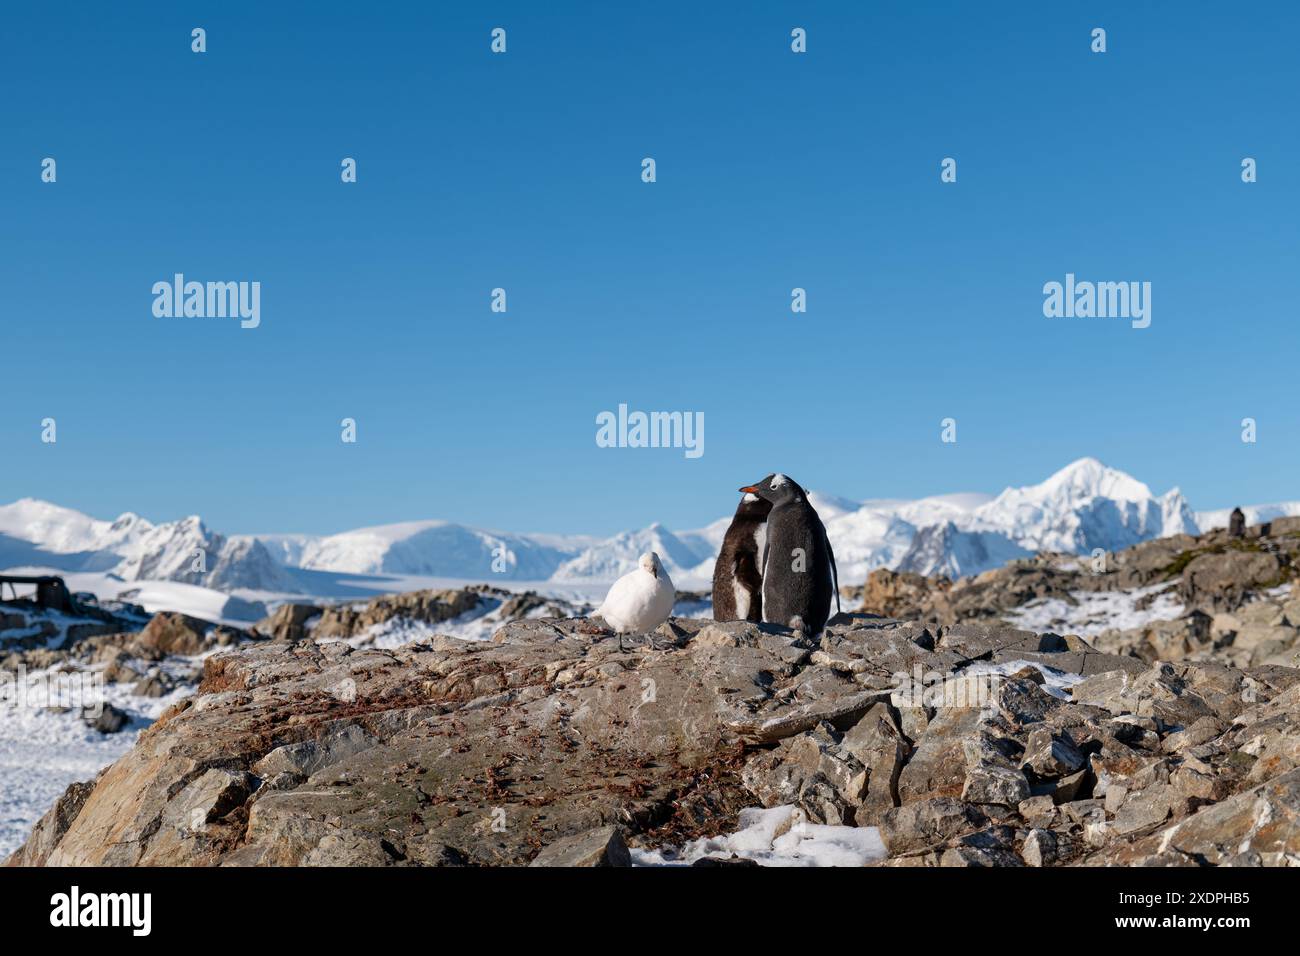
<point x="603" y="846"/>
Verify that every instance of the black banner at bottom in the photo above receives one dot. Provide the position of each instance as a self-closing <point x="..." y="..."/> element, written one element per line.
<point x="340" y="906"/>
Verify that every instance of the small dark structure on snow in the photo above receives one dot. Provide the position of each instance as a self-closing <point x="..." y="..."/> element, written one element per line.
<point x="1237" y="523"/>
<point x="51" y="592"/>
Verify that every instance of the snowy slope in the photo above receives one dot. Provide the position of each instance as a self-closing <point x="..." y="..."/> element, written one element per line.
<point x="867" y="539"/>
<point x="43" y="749"/>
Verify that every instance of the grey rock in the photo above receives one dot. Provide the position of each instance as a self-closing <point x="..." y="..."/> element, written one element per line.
<point x="106" y="718"/>
<point x="448" y="752"/>
<point x="1039" y="848"/>
<point x="287" y="622"/>
<point x="1051" y="755"/>
<point x="1074" y="787"/>
<point x="214" y="794"/>
<point x="1144" y="809"/>
<point x="1038" y="811"/>
<point x="812" y="771"/>
<point x="1264" y="820"/>
<point x="927" y="823"/>
<point x="1222" y="581"/>
<point x="153" y="685"/>
<point x="988" y="783"/>
<point x="338" y="742"/>
<point x="878" y="744"/>
<point x="938" y="766"/>
<point x="602" y="846"/>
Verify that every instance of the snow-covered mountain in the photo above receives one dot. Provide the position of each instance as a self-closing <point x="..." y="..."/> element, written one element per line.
<point x="437" y="549"/>
<point x="39" y="534"/>
<point x="31" y="528"/>
<point x="1084" y="506"/>
<point x="607" y="560"/>
<point x="945" y="549"/>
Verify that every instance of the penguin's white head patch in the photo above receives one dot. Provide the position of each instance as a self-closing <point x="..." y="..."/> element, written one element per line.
<point x="778" y="481"/>
<point x="749" y="498"/>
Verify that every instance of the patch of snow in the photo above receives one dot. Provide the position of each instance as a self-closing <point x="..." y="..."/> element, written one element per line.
<point x="476" y="624"/>
<point x="154" y="596"/>
<point x="37" y="618"/>
<point x="1097" y="611"/>
<point x="42" y="751"/>
<point x="1055" y="682"/>
<point x="780" y="836"/>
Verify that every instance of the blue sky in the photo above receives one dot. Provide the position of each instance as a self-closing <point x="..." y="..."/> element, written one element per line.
<point x="522" y="171"/>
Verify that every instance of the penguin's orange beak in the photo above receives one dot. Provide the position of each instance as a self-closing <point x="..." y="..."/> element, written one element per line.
<point x="750" y="489"/>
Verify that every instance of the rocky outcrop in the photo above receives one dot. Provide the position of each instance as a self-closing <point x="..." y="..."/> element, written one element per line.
<point x="1223" y="580"/>
<point x="1259" y="633"/>
<point x="428" y="607"/>
<point x="1213" y="573"/>
<point x="126" y="655"/>
<point x="288" y="622"/>
<point x="967" y="744"/>
<point x="26" y="626"/>
<point x="295" y="622"/>
<point x="171" y="633"/>
<point x="358" y="621"/>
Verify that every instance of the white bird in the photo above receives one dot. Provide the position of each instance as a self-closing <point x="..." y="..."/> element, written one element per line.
<point x="640" y="600"/>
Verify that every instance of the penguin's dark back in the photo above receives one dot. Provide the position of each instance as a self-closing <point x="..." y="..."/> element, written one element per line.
<point x="797" y="578"/>
<point x="796" y="525"/>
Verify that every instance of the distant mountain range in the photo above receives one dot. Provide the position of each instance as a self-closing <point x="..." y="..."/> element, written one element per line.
<point x="1084" y="506"/>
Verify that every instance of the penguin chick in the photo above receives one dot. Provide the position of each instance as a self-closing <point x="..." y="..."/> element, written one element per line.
<point x="738" y="572"/>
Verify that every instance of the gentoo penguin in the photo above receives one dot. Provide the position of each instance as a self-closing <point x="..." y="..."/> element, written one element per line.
<point x="738" y="572"/>
<point x="799" y="574"/>
<point x="640" y="600"/>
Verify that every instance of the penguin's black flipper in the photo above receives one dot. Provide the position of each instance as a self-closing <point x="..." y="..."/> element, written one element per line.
<point x="835" y="572"/>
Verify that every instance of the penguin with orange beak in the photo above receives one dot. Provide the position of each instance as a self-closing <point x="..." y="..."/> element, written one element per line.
<point x="799" y="573"/>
